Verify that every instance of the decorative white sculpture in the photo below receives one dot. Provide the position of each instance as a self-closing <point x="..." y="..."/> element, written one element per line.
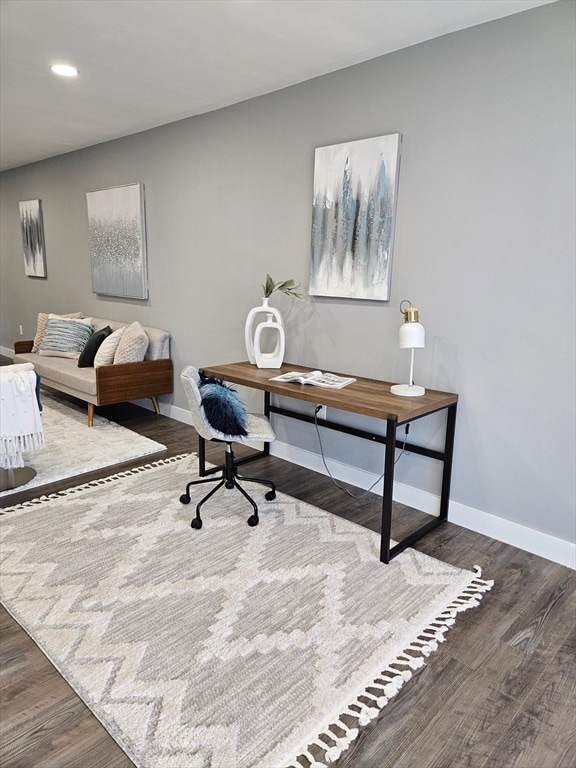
<point x="264" y="330"/>
<point x="250" y="328"/>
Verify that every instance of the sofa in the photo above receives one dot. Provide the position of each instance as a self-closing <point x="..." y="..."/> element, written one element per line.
<point x="107" y="380"/>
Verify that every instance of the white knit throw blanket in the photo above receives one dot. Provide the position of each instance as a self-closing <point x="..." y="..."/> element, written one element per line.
<point x="20" y="421"/>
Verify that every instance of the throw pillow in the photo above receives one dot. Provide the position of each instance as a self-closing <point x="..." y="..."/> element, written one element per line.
<point x="86" y="359"/>
<point x="133" y="345"/>
<point x="41" y="326"/>
<point x="224" y="408"/>
<point x="107" y="350"/>
<point x="64" y="337"/>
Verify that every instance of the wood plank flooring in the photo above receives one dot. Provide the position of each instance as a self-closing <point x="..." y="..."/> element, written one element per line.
<point x="499" y="693"/>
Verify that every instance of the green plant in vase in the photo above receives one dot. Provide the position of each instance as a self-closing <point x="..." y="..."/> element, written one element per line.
<point x="285" y="286"/>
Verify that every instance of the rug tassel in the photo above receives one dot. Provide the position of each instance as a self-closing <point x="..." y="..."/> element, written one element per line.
<point x="391" y="680"/>
<point x="379" y="701"/>
<point x="341" y="744"/>
<point x="387" y="687"/>
<point x="96" y="483"/>
<point x="414" y="662"/>
<point x="350" y="733"/>
<point x="312" y="760"/>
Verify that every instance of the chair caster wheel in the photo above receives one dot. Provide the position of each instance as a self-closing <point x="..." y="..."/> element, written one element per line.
<point x="253" y="520"/>
<point x="184" y="499"/>
<point x="270" y="496"/>
<point x="196" y="523"/>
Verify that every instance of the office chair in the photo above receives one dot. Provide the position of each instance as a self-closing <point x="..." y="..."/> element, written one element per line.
<point x="258" y="430"/>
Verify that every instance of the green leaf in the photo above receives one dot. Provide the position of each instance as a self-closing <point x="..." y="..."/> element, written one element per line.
<point x="286" y="286"/>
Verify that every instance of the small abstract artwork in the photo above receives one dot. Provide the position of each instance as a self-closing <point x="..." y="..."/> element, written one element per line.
<point x="117" y="235"/>
<point x="354" y="210"/>
<point x="32" y="226"/>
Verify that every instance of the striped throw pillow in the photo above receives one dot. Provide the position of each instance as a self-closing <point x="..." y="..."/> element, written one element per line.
<point x="43" y="318"/>
<point x="65" y="338"/>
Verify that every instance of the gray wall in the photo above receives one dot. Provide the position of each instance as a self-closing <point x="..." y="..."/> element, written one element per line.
<point x="484" y="244"/>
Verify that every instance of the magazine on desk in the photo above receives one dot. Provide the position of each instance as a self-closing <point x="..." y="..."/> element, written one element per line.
<point x="316" y="378"/>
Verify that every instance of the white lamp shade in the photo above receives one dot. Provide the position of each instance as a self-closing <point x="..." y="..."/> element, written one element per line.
<point x="412" y="336"/>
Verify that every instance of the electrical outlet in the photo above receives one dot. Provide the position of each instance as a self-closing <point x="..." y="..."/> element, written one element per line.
<point x="21" y="331"/>
<point x="322" y="412"/>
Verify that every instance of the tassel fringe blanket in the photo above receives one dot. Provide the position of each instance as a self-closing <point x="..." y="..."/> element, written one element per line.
<point x="20" y="421"/>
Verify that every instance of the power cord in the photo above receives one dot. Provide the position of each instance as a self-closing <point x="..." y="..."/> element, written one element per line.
<point x="335" y="482"/>
<point x="403" y="451"/>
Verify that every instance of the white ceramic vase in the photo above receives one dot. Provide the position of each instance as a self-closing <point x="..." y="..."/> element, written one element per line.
<point x="264" y="330"/>
<point x="255" y="317"/>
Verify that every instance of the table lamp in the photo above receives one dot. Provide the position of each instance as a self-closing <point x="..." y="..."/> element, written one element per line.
<point x="412" y="336"/>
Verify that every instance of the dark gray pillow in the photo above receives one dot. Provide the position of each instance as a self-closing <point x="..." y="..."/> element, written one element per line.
<point x="86" y="359"/>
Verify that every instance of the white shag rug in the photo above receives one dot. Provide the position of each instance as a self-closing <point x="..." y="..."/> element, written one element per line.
<point x="228" y="647"/>
<point x="73" y="448"/>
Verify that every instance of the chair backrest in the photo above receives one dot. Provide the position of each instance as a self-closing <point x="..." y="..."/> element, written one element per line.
<point x="190" y="379"/>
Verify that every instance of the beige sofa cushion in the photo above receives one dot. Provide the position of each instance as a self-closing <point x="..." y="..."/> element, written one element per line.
<point x="61" y="371"/>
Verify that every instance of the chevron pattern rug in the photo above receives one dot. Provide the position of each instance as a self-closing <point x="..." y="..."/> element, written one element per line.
<point x="228" y="647"/>
<point x="72" y="448"/>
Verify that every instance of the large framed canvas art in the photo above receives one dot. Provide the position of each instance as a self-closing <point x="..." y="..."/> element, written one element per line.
<point x="117" y="235"/>
<point x="354" y="211"/>
<point x="32" y="228"/>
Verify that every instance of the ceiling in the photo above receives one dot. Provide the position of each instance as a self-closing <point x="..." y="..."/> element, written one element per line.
<point x="145" y="63"/>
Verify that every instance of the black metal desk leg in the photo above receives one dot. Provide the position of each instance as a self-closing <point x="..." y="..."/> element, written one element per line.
<point x="447" y="466"/>
<point x="386" y="526"/>
<point x="266" y="448"/>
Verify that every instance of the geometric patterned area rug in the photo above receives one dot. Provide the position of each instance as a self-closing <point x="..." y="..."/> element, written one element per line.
<point x="73" y="448"/>
<point x="231" y="646"/>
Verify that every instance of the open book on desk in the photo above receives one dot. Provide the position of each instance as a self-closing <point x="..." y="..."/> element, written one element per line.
<point x="316" y="378"/>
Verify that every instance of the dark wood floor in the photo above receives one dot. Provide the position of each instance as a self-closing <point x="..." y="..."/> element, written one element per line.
<point x="499" y="693"/>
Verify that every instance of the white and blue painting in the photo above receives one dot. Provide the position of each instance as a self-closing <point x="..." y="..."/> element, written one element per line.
<point x="117" y="235"/>
<point x="355" y="190"/>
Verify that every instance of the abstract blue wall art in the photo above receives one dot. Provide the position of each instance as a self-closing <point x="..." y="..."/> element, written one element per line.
<point x="32" y="227"/>
<point x="117" y="235"/>
<point x="354" y="210"/>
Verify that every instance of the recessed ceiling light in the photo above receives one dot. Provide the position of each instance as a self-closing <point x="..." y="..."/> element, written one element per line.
<point x="65" y="70"/>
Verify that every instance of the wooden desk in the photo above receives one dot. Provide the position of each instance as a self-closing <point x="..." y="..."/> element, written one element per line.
<point x="369" y="397"/>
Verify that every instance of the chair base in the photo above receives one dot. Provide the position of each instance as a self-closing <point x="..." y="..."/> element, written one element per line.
<point x="229" y="478"/>
<point x="14" y="478"/>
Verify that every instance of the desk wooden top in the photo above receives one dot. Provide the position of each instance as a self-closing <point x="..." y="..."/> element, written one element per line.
<point x="369" y="397"/>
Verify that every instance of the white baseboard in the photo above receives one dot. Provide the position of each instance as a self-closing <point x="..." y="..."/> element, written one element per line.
<point x="506" y="531"/>
<point x="7" y="351"/>
<point x="536" y="542"/>
<point x="527" y="539"/>
<point x="166" y="409"/>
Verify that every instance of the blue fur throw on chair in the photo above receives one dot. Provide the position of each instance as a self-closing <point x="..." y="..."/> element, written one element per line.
<point x="223" y="407"/>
